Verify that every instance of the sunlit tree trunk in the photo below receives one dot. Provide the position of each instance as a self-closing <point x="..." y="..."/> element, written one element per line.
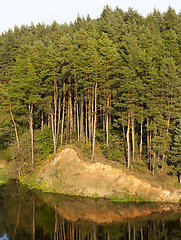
<point x="128" y="141"/>
<point x="15" y="127"/>
<point x="70" y="115"/>
<point x="148" y="145"/>
<point x="78" y="123"/>
<point x="86" y="125"/>
<point x="107" y="125"/>
<point x="89" y="120"/>
<point x="141" y="136"/>
<point x="63" y="116"/>
<point x="81" y="118"/>
<point x="59" y="113"/>
<point x="133" y="141"/>
<point x="95" y="118"/>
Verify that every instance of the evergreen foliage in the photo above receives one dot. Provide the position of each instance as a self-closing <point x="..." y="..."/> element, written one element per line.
<point x="117" y="76"/>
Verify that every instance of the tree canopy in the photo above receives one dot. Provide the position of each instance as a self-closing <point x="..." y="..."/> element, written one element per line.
<point x="113" y="80"/>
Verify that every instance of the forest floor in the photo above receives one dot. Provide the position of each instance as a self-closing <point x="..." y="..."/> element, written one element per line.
<point x="74" y="174"/>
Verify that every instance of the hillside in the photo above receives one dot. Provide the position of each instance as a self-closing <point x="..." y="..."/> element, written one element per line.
<point x="69" y="174"/>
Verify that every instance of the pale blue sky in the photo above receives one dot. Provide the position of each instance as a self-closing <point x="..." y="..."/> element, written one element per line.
<point x="18" y="12"/>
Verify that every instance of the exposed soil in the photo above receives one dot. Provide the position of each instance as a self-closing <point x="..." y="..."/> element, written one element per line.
<point x="68" y="174"/>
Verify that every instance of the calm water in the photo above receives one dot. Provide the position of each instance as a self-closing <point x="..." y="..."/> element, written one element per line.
<point x="29" y="214"/>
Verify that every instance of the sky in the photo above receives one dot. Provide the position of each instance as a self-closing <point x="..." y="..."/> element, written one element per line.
<point x="25" y="12"/>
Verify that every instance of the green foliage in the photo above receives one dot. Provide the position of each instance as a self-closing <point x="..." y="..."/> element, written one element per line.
<point x="175" y="152"/>
<point x="44" y="140"/>
<point x="115" y="148"/>
<point x="48" y="76"/>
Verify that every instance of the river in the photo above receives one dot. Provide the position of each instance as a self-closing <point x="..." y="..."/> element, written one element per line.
<point x="29" y="214"/>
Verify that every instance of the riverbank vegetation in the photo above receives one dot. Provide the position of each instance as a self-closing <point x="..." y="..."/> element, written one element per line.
<point x="114" y="80"/>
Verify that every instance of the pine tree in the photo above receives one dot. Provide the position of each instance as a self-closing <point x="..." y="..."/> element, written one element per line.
<point x="175" y="152"/>
<point x="25" y="87"/>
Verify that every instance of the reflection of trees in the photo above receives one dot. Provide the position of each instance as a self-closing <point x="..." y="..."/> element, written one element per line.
<point x="130" y="230"/>
<point x="17" y="221"/>
<point x="20" y="213"/>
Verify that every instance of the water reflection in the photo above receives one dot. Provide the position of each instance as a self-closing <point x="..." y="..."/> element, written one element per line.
<point x="34" y="215"/>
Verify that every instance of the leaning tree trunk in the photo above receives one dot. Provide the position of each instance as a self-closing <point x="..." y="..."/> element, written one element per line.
<point x="15" y="127"/>
<point x="124" y="141"/>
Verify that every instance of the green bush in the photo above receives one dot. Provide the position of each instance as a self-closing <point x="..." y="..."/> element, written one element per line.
<point x="44" y="142"/>
<point x="115" y="148"/>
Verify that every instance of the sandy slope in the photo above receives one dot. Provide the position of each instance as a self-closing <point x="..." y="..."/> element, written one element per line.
<point x="69" y="174"/>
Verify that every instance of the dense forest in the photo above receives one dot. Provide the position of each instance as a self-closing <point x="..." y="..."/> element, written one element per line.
<point x="114" y="80"/>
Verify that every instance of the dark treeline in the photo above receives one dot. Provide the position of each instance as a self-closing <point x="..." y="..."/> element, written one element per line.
<point x="114" y="80"/>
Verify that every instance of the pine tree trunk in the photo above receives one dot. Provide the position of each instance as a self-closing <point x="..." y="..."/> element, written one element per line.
<point x="49" y="120"/>
<point x="124" y="141"/>
<point x="78" y="123"/>
<point x="150" y="151"/>
<point x="15" y="127"/>
<point x="164" y="154"/>
<point x="89" y="120"/>
<point x="70" y="115"/>
<point x="53" y="133"/>
<point x="81" y="119"/>
<point x="31" y="133"/>
<point x="95" y="118"/>
<point x="109" y="111"/>
<point x="67" y="124"/>
<point x="141" y="136"/>
<point x="128" y="141"/>
<point x="133" y="141"/>
<point x="86" y="125"/>
<point x="55" y="113"/>
<point x="92" y="121"/>
<point x="107" y="131"/>
<point x="148" y="145"/>
<point x="63" y="116"/>
<point x="42" y="121"/>
<point x="75" y="108"/>
<point x="59" y="113"/>
<point x="103" y="120"/>
<point x="107" y="125"/>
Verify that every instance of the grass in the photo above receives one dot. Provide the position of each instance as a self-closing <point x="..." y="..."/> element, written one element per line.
<point x="3" y="176"/>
